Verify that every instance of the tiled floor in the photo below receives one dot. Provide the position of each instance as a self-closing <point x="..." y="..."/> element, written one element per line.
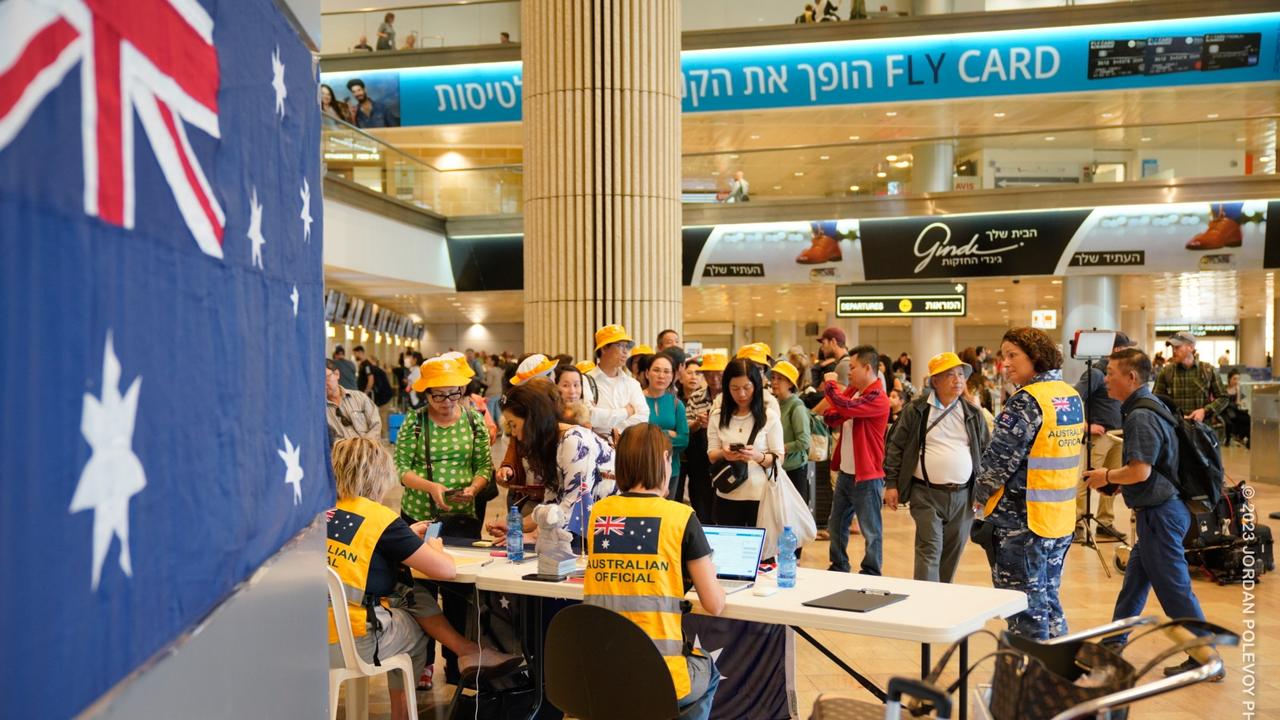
<point x="1088" y="596"/>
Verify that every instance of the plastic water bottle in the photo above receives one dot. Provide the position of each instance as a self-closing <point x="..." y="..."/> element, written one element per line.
<point x="787" y="558"/>
<point x="515" y="535"/>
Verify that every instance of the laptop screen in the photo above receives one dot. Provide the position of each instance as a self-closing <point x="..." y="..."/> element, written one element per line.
<point x="736" y="551"/>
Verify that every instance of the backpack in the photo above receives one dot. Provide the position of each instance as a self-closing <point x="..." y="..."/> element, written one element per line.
<point x="1199" y="473"/>
<point x="382" y="393"/>
<point x="819" y="438"/>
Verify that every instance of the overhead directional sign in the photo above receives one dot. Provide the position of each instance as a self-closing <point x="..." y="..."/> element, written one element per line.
<point x="912" y="300"/>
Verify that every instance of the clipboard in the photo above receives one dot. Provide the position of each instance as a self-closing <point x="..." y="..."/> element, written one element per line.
<point x="856" y="600"/>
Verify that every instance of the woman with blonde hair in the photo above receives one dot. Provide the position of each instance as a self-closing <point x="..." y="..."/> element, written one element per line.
<point x="368" y="546"/>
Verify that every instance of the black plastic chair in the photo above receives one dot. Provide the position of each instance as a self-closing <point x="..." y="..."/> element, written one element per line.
<point x="601" y="665"/>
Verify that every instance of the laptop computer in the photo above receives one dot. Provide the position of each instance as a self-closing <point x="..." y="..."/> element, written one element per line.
<point x="735" y="551"/>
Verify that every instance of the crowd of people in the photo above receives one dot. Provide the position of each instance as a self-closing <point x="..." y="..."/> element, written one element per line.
<point x="697" y="439"/>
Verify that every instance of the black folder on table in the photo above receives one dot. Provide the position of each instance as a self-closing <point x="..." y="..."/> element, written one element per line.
<point x="856" y="600"/>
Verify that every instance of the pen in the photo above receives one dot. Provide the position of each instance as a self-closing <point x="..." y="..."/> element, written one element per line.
<point x="869" y="591"/>
<point x="486" y="562"/>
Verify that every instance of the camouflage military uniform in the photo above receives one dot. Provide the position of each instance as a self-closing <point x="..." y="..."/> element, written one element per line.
<point x="1024" y="560"/>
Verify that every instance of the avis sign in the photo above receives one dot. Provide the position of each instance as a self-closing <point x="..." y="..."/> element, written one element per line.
<point x="963" y="246"/>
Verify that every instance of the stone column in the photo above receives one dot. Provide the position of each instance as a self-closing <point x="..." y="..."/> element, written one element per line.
<point x="932" y="167"/>
<point x="1089" y="301"/>
<point x="929" y="336"/>
<point x="1253" y="341"/>
<point x="1137" y="324"/>
<point x="602" y="170"/>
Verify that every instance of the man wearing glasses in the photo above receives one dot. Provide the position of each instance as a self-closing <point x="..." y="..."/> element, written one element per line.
<point x="619" y="401"/>
<point x="349" y="413"/>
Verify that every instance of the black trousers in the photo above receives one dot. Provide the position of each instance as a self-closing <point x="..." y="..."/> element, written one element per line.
<point x="800" y="478"/>
<point x="696" y="472"/>
<point x="740" y="513"/>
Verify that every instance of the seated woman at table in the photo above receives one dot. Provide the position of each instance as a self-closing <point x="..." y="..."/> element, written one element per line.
<point x="675" y="542"/>
<point x="369" y="546"/>
<point x="573" y="463"/>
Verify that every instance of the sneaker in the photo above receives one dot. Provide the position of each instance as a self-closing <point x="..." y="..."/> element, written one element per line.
<point x="1111" y="532"/>
<point x="491" y="663"/>
<point x="1192" y="664"/>
<point x="427" y="680"/>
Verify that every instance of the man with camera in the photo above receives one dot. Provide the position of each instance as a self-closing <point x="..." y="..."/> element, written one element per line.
<point x="1147" y="482"/>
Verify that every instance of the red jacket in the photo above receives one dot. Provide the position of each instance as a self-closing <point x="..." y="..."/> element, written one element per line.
<point x="868" y="410"/>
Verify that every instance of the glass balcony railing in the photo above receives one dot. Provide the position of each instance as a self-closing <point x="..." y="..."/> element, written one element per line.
<point x="452" y="23"/>
<point x="912" y="166"/>
<point x="907" y="167"/>
<point x="354" y="155"/>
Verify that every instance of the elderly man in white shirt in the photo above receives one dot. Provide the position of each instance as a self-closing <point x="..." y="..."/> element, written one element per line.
<point x="931" y="458"/>
<point x="617" y="401"/>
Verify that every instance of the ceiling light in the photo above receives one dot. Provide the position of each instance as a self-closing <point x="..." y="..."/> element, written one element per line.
<point x="891" y="113"/>
<point x="759" y="314"/>
<point x="733" y="157"/>
<point x="1239" y="139"/>
<point x="882" y="174"/>
<point x="1048" y="297"/>
<point x="715" y="173"/>
<point x="1212" y="116"/>
<point x="855" y="137"/>
<point x="854" y="188"/>
<point x="1049" y="138"/>
<point x="1107" y="115"/>
<point x="999" y="114"/>
<point x="777" y="187"/>
<point x="755" y="137"/>
<point x="902" y="164"/>
<point x="1145" y="139"/>
<point x="1002" y="302"/>
<point x="798" y="173"/>
<point x="891" y="158"/>
<point x="999" y="289"/>
<point x="824" y="157"/>
<point x="1055" y="282"/>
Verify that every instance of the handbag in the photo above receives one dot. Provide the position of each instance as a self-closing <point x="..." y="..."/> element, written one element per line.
<point x="783" y="506"/>
<point x="728" y="475"/>
<point x="1034" y="680"/>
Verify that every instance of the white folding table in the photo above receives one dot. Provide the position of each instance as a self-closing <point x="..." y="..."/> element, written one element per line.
<point x="931" y="613"/>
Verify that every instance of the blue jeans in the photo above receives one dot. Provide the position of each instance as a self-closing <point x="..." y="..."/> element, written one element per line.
<point x="863" y="499"/>
<point x="1157" y="562"/>
<point x="704" y="678"/>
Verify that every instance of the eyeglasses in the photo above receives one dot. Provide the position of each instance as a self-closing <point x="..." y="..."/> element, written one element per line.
<point x="445" y="397"/>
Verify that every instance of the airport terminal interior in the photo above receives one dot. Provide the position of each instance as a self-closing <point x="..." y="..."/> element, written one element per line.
<point x="843" y="203"/>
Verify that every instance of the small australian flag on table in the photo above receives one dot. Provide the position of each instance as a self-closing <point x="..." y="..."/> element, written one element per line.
<point x="626" y="535"/>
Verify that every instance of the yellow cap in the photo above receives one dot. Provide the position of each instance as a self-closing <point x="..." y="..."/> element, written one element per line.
<point x="533" y="366"/>
<point x="440" y="372"/>
<point x="642" y="349"/>
<point x="788" y="371"/>
<point x="943" y="362"/>
<point x="611" y="334"/>
<point x="755" y="352"/>
<point x="585" y="366"/>
<point x="713" y="362"/>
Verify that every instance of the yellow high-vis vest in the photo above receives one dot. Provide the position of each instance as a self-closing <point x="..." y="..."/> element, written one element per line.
<point x="634" y="569"/>
<point x="1053" y="465"/>
<point x="354" y="529"/>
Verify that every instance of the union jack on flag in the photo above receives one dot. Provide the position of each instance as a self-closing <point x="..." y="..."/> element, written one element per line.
<point x="146" y="58"/>
<point x="610" y="525"/>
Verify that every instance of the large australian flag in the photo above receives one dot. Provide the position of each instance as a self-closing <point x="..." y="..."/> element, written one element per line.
<point x="160" y="282"/>
<point x="626" y="535"/>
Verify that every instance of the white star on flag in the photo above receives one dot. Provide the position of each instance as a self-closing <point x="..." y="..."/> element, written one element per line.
<point x="113" y="473"/>
<point x="306" y="210"/>
<point x="277" y="81"/>
<point x="715" y="654"/>
<point x="504" y="602"/>
<point x="292" y="470"/>
<point x="255" y="228"/>
<point x="294" y="297"/>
